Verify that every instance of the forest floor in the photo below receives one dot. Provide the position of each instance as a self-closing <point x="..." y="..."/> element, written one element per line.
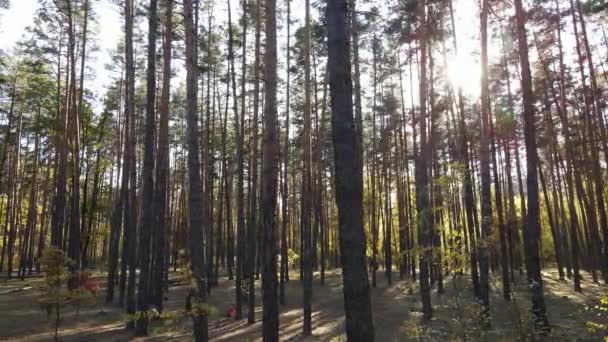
<point x="396" y="310"/>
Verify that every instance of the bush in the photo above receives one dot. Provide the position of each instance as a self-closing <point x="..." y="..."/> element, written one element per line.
<point x="292" y="258"/>
<point x="600" y="324"/>
<point x="55" y="293"/>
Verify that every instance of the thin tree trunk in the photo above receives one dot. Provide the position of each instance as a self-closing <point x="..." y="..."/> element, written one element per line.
<point x="484" y="159"/>
<point x="162" y="163"/>
<point x="307" y="183"/>
<point x="147" y="218"/>
<point x="284" y="274"/>
<point x="129" y="254"/>
<point x="195" y="199"/>
<point x="422" y="177"/>
<point x="239" y="132"/>
<point x="531" y="226"/>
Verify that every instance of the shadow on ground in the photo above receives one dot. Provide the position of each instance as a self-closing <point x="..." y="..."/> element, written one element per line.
<point x="396" y="308"/>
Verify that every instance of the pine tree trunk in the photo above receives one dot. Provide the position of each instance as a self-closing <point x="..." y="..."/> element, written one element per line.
<point x="348" y="178"/>
<point x="421" y="176"/>
<point x="484" y="159"/>
<point x="284" y="269"/>
<point x="239" y="132"/>
<point x="531" y="226"/>
<point x="147" y="218"/>
<point x="195" y="199"/>
<point x="253" y="192"/>
<point x="498" y="198"/>
<point x="129" y="262"/>
<point x="162" y="164"/>
<point x="307" y="182"/>
<point x="270" y="323"/>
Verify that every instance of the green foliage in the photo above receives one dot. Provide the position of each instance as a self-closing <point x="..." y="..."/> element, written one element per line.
<point x="198" y="308"/>
<point x="203" y="309"/>
<point x="525" y="329"/>
<point x="595" y="6"/>
<point x="189" y="277"/>
<point x="469" y="321"/>
<point x="292" y="258"/>
<point x="54" y="264"/>
<point x="169" y="319"/>
<point x="600" y="324"/>
<point x="415" y="331"/>
<point x="55" y="295"/>
<point x="546" y="238"/>
<point x="79" y="297"/>
<point x="453" y="255"/>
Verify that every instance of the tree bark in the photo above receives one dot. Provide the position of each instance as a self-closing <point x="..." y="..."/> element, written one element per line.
<point x="270" y="324"/>
<point x="162" y="163"/>
<point x="307" y="185"/>
<point x="147" y="218"/>
<point x="484" y="159"/>
<point x="195" y="199"/>
<point x="531" y="226"/>
<point x="348" y="178"/>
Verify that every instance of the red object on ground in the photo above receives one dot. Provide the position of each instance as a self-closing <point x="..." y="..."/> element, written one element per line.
<point x="89" y="284"/>
<point x="231" y="311"/>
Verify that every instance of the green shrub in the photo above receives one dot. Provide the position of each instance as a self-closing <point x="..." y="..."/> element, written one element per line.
<point x="600" y="324"/>
<point x="54" y="294"/>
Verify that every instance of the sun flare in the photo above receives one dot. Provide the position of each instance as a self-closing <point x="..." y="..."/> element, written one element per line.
<point x="464" y="73"/>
